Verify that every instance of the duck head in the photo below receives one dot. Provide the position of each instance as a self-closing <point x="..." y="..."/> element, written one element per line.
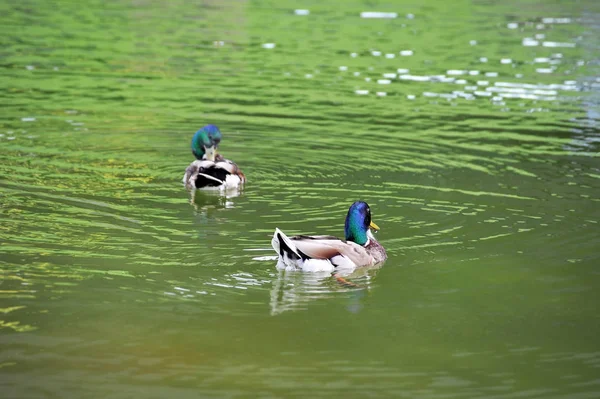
<point x="358" y="222"/>
<point x="205" y="142"/>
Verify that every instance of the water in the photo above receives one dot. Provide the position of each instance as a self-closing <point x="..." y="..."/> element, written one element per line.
<point x="471" y="130"/>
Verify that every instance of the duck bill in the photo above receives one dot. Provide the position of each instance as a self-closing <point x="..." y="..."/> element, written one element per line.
<point x="210" y="153"/>
<point x="374" y="226"/>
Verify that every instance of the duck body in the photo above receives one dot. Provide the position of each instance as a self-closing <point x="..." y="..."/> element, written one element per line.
<point x="329" y="253"/>
<point x="217" y="175"/>
<point x="211" y="170"/>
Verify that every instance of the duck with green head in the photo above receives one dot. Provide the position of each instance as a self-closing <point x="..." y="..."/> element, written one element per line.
<point x="210" y="170"/>
<point x="329" y="253"/>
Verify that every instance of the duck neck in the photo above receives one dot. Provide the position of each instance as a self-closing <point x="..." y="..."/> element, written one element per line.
<point x="355" y="232"/>
<point x="198" y="144"/>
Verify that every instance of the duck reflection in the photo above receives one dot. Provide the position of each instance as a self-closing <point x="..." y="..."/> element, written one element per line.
<point x="209" y="204"/>
<point x="293" y="290"/>
<point x="203" y="200"/>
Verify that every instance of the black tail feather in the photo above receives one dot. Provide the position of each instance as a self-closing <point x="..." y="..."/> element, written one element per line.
<point x="216" y="173"/>
<point x="283" y="247"/>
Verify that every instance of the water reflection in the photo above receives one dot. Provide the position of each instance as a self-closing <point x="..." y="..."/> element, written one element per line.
<point x="294" y="290"/>
<point x="202" y="200"/>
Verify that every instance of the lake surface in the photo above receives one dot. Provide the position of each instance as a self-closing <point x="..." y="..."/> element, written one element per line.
<point x="470" y="127"/>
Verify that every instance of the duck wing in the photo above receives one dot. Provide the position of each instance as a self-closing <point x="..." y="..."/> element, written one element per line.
<point x="339" y="252"/>
<point x="230" y="167"/>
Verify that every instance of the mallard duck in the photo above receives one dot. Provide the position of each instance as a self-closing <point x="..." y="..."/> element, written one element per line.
<point x="211" y="170"/>
<point x="328" y="253"/>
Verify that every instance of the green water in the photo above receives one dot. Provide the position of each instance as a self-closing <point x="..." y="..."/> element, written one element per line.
<point x="480" y="164"/>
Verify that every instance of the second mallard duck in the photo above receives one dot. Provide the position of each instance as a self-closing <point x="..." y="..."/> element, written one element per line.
<point x="327" y="253"/>
<point x="211" y="170"/>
